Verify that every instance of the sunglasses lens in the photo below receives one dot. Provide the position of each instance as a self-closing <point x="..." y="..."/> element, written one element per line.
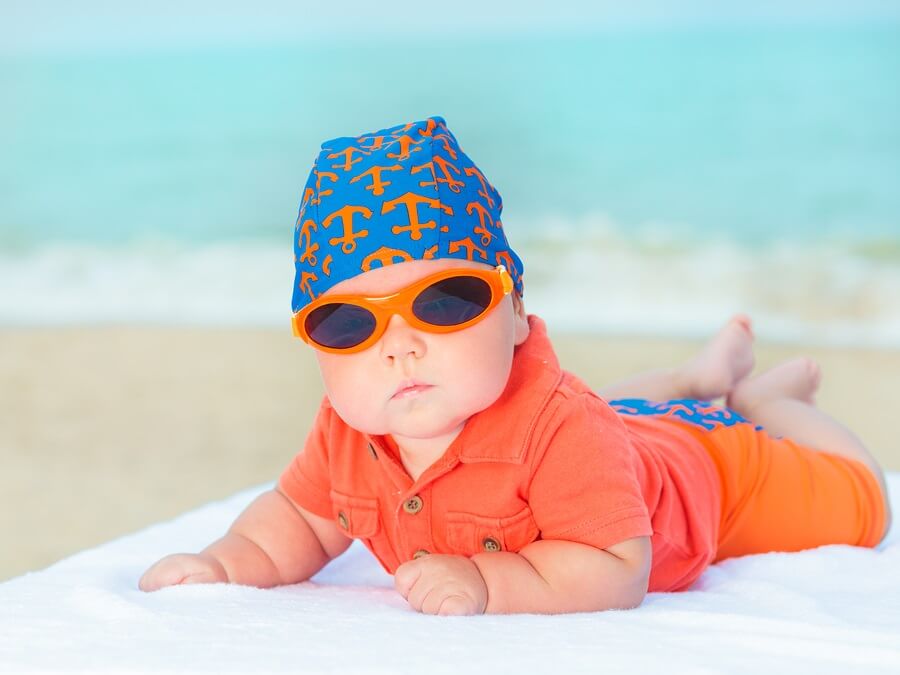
<point x="453" y="301"/>
<point x="339" y="325"/>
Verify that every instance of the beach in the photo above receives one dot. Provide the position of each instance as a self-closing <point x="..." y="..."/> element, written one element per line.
<point x="656" y="178"/>
<point x="105" y="430"/>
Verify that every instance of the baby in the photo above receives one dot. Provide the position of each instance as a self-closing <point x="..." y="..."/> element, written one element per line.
<point x="480" y="474"/>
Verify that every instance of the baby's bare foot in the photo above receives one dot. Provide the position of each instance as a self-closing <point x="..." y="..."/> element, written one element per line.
<point x="797" y="379"/>
<point x="723" y="362"/>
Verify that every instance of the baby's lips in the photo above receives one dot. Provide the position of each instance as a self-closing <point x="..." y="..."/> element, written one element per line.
<point x="409" y="384"/>
<point x="411" y="391"/>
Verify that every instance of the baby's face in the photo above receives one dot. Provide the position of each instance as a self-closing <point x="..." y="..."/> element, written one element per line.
<point x="466" y="370"/>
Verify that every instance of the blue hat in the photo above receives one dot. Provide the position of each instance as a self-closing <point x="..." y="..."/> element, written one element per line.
<point x="404" y="193"/>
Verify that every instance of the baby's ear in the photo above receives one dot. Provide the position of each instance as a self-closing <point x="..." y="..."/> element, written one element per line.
<point x="521" y="319"/>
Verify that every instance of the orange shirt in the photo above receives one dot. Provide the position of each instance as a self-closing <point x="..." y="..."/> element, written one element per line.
<point x="549" y="459"/>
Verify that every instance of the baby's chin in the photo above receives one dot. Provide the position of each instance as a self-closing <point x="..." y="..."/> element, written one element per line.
<point x="432" y="424"/>
<point x="429" y="417"/>
<point x="436" y="419"/>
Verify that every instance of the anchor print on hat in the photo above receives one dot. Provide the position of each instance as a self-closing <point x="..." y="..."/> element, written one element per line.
<point x="408" y="192"/>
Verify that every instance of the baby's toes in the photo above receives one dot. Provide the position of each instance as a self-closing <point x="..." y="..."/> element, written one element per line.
<point x="744" y="322"/>
<point x="813" y="375"/>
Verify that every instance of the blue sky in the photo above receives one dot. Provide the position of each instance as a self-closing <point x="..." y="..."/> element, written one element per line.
<point x="61" y="25"/>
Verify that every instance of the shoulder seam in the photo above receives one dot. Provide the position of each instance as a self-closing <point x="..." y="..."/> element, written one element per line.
<point x="541" y="412"/>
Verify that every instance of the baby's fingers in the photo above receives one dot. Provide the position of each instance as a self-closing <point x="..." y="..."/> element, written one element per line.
<point x="161" y="574"/>
<point x="456" y="605"/>
<point x="179" y="569"/>
<point x="406" y="577"/>
<point x="200" y="577"/>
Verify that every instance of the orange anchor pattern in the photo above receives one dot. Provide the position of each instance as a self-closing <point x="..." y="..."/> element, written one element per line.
<point x="308" y="194"/>
<point x="405" y="142"/>
<point x="445" y="139"/>
<point x="430" y="125"/>
<point x="309" y="248"/>
<point x="411" y="201"/>
<point x="453" y="184"/>
<point x="451" y="209"/>
<point x="305" y="279"/>
<point x="330" y="175"/>
<point x="422" y="167"/>
<point x="483" y="192"/>
<point x="376" y="142"/>
<point x="469" y="247"/>
<point x="400" y="130"/>
<point x="485" y="235"/>
<point x="505" y="259"/>
<point x="347" y="154"/>
<point x="482" y="213"/>
<point x="349" y="237"/>
<point x="386" y="256"/>
<point x="377" y="186"/>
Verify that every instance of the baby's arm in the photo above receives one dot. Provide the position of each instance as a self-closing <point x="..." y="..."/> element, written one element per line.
<point x="273" y="542"/>
<point x="551" y="576"/>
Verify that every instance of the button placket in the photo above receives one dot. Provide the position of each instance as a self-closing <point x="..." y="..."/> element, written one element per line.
<point x="414" y="523"/>
<point x="414" y="529"/>
<point x="389" y="464"/>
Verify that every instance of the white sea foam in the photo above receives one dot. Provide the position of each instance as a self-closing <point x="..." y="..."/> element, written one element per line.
<point x="234" y="283"/>
<point x="831" y="293"/>
<point x="604" y="284"/>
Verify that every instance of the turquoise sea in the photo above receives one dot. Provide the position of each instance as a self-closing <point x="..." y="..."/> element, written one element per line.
<point x="654" y="179"/>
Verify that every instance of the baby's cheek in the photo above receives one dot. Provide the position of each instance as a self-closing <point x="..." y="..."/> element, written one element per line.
<point x="490" y="367"/>
<point x="360" y="415"/>
<point x="353" y="398"/>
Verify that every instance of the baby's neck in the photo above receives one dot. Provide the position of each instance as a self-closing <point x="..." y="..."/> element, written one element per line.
<point x="417" y="454"/>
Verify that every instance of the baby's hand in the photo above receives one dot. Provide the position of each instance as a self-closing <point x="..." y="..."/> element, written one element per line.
<point x="183" y="568"/>
<point x="442" y="584"/>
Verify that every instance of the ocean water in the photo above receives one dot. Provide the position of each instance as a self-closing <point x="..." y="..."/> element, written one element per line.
<point x="655" y="180"/>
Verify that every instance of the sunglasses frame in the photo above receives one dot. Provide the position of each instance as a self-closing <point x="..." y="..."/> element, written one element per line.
<point x="401" y="302"/>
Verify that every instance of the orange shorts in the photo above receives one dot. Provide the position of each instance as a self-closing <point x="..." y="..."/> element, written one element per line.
<point x="778" y="495"/>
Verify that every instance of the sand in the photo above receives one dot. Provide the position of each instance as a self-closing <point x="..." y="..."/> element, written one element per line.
<point x="105" y="430"/>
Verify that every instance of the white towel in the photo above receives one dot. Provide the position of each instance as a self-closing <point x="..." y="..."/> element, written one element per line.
<point x="833" y="609"/>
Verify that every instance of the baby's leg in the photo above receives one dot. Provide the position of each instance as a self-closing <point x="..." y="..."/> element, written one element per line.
<point x="781" y="400"/>
<point x="724" y="360"/>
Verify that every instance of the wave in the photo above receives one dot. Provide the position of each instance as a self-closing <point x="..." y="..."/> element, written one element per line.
<point x="839" y="291"/>
<point x="603" y="282"/>
<point x="229" y="283"/>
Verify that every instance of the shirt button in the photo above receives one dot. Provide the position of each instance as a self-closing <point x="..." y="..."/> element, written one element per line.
<point x="343" y="520"/>
<point x="490" y="544"/>
<point x="413" y="504"/>
<point x="418" y="554"/>
<point x="372" y="451"/>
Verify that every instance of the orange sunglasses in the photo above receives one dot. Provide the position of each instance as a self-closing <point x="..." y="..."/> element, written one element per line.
<point x="443" y="302"/>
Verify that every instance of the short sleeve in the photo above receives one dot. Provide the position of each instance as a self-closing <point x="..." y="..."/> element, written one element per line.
<point x="307" y="480"/>
<point x="585" y="484"/>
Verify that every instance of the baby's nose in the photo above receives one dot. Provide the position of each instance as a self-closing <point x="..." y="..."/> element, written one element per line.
<point x="400" y="339"/>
